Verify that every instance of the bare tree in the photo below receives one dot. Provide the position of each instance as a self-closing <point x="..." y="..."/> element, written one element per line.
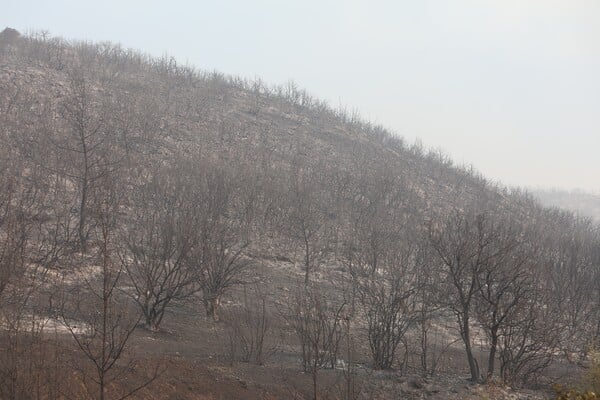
<point x="307" y="220"/>
<point x="250" y="329"/>
<point x="388" y="297"/>
<point x="573" y="259"/>
<point x="318" y="324"/>
<point x="222" y="267"/>
<point x="31" y="362"/>
<point x="26" y="355"/>
<point x="384" y="261"/>
<point x="504" y="285"/>
<point x="13" y="237"/>
<point x="157" y="245"/>
<point x="218" y="252"/>
<point x="99" y="322"/>
<point x="89" y="150"/>
<point x="466" y="243"/>
<point x="431" y="315"/>
<point x="528" y="339"/>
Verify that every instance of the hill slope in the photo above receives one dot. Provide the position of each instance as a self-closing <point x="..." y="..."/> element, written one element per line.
<point x="585" y="204"/>
<point x="185" y="190"/>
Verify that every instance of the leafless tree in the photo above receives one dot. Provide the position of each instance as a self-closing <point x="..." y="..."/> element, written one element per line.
<point x="354" y="384"/>
<point x="466" y="243"/>
<point x="431" y="315"/>
<point x="318" y="324"/>
<point x="307" y="219"/>
<point x="31" y="361"/>
<point x="573" y="259"/>
<point x="99" y="321"/>
<point x="388" y="297"/>
<point x="504" y="285"/>
<point x="218" y="252"/>
<point x="157" y="245"/>
<point x="250" y="329"/>
<point x="89" y="150"/>
<point x="384" y="259"/>
<point x="528" y="340"/>
<point x="26" y="355"/>
<point x="13" y="238"/>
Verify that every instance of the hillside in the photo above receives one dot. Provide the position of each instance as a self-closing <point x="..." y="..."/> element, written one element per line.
<point x="582" y="203"/>
<point x="173" y="233"/>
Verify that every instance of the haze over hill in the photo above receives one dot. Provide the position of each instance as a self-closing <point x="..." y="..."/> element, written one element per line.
<point x="167" y="232"/>
<point x="585" y="204"/>
<point x="510" y="87"/>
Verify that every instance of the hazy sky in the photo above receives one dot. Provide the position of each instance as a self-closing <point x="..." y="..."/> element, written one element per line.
<point x="510" y="86"/>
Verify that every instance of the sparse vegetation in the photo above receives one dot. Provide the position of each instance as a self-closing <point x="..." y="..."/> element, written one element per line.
<point x="136" y="189"/>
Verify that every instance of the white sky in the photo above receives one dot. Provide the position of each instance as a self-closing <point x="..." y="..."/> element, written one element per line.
<point x="510" y="86"/>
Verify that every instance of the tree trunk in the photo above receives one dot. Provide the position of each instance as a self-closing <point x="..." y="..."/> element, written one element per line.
<point x="83" y="216"/>
<point x="151" y="323"/>
<point x="466" y="336"/>
<point x="306" y="261"/>
<point x="212" y="308"/>
<point x="315" y="383"/>
<point x="492" y="355"/>
<point x="102" y="387"/>
<point x="85" y="181"/>
<point x="424" y="347"/>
